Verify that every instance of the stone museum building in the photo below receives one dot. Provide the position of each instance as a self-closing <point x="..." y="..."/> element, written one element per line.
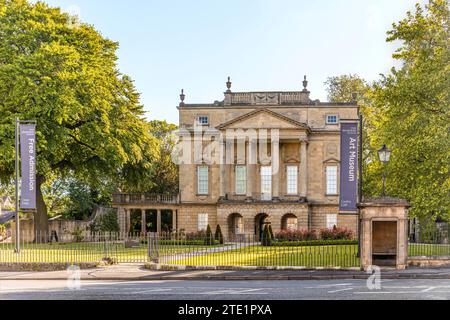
<point x="252" y="159"/>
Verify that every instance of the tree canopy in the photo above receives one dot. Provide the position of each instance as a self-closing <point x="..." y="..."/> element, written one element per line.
<point x="409" y="110"/>
<point x="64" y="75"/>
<point x="414" y="104"/>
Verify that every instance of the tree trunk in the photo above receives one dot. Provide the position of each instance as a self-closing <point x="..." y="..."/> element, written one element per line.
<point x="40" y="217"/>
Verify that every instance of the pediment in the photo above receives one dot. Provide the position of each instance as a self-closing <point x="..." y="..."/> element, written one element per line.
<point x="263" y="119"/>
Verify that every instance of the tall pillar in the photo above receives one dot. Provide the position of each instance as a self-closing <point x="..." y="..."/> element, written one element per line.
<point x="304" y="168"/>
<point x="174" y="220"/>
<point x="251" y="168"/>
<point x="223" y="160"/>
<point x="275" y="153"/>
<point x="143" y="222"/>
<point x="158" y="221"/>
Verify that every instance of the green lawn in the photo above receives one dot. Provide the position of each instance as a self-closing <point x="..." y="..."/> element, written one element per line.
<point x="322" y="256"/>
<point x="71" y="253"/>
<point x="415" y="250"/>
<point x="82" y="252"/>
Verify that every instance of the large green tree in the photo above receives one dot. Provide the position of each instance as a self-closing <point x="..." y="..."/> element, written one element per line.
<point x="165" y="171"/>
<point x="347" y="88"/>
<point x="413" y="105"/>
<point x="63" y="74"/>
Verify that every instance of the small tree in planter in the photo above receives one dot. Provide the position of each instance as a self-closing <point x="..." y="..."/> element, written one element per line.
<point x="219" y="236"/>
<point x="271" y="232"/>
<point x="209" y="239"/>
<point x="266" y="238"/>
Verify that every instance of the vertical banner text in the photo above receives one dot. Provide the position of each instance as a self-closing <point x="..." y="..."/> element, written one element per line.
<point x="28" y="166"/>
<point x="349" y="167"/>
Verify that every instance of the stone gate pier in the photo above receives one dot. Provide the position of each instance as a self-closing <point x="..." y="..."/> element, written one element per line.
<point x="384" y="233"/>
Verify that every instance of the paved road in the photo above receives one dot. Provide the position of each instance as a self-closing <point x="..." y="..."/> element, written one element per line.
<point x="226" y="290"/>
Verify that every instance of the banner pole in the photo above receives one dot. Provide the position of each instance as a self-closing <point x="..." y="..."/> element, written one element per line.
<point x="17" y="188"/>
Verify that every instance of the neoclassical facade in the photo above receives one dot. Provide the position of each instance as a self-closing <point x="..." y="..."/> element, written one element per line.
<point x="252" y="159"/>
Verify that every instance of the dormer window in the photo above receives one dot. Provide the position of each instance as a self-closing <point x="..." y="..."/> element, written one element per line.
<point x="203" y="120"/>
<point x="332" y="119"/>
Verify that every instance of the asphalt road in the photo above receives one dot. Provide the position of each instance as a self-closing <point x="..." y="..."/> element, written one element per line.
<point x="225" y="290"/>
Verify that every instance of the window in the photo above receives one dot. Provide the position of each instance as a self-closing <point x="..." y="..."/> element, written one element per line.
<point x="332" y="221"/>
<point x="202" y="176"/>
<point x="241" y="180"/>
<point x="202" y="221"/>
<point x="332" y="119"/>
<point x="332" y="185"/>
<point x="203" y="120"/>
<point x="266" y="183"/>
<point x="292" y="179"/>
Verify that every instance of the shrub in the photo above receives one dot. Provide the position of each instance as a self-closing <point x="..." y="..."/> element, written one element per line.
<point x="296" y="235"/>
<point x="200" y="235"/>
<point x="336" y="234"/>
<point x="314" y="243"/>
<point x="219" y="236"/>
<point x="209" y="239"/>
<point x="271" y="232"/>
<point x="266" y="238"/>
<point x="106" y="223"/>
<point x="184" y="243"/>
<point x="78" y="235"/>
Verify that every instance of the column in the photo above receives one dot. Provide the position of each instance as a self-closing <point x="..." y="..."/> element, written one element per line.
<point x="251" y="165"/>
<point x="174" y="220"/>
<point x="143" y="222"/>
<point x="275" y="153"/>
<point x="158" y="221"/>
<point x="304" y="168"/>
<point x="223" y="160"/>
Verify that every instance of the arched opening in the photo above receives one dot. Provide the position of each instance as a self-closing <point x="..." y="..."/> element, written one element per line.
<point x="261" y="220"/>
<point x="289" y="222"/>
<point x="235" y="225"/>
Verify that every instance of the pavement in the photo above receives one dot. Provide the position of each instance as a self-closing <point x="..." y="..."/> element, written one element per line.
<point x="137" y="272"/>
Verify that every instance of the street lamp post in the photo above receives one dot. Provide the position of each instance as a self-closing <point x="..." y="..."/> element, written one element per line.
<point x="385" y="156"/>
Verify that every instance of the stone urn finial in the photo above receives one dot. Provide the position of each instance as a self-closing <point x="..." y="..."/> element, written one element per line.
<point x="305" y="84"/>
<point x="229" y="83"/>
<point x="182" y="97"/>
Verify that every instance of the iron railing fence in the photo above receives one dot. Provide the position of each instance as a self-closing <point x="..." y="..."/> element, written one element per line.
<point x="431" y="240"/>
<point x="250" y="251"/>
<point x="76" y="247"/>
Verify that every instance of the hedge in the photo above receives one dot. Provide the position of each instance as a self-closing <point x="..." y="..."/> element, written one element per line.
<point x="313" y="243"/>
<point x="186" y="243"/>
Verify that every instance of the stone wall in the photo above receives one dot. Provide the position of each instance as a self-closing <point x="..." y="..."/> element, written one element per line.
<point x="188" y="216"/>
<point x="319" y="215"/>
<point x="63" y="228"/>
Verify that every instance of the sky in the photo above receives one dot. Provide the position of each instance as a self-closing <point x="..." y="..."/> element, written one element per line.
<point x="263" y="45"/>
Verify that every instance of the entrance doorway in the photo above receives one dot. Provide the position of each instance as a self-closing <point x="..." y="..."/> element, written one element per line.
<point x="261" y="220"/>
<point x="235" y="226"/>
<point x="384" y="243"/>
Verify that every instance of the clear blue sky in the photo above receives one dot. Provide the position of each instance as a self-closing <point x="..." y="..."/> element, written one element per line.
<point x="262" y="44"/>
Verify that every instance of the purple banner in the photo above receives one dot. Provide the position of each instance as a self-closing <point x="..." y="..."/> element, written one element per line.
<point x="349" y="167"/>
<point x="28" y="165"/>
